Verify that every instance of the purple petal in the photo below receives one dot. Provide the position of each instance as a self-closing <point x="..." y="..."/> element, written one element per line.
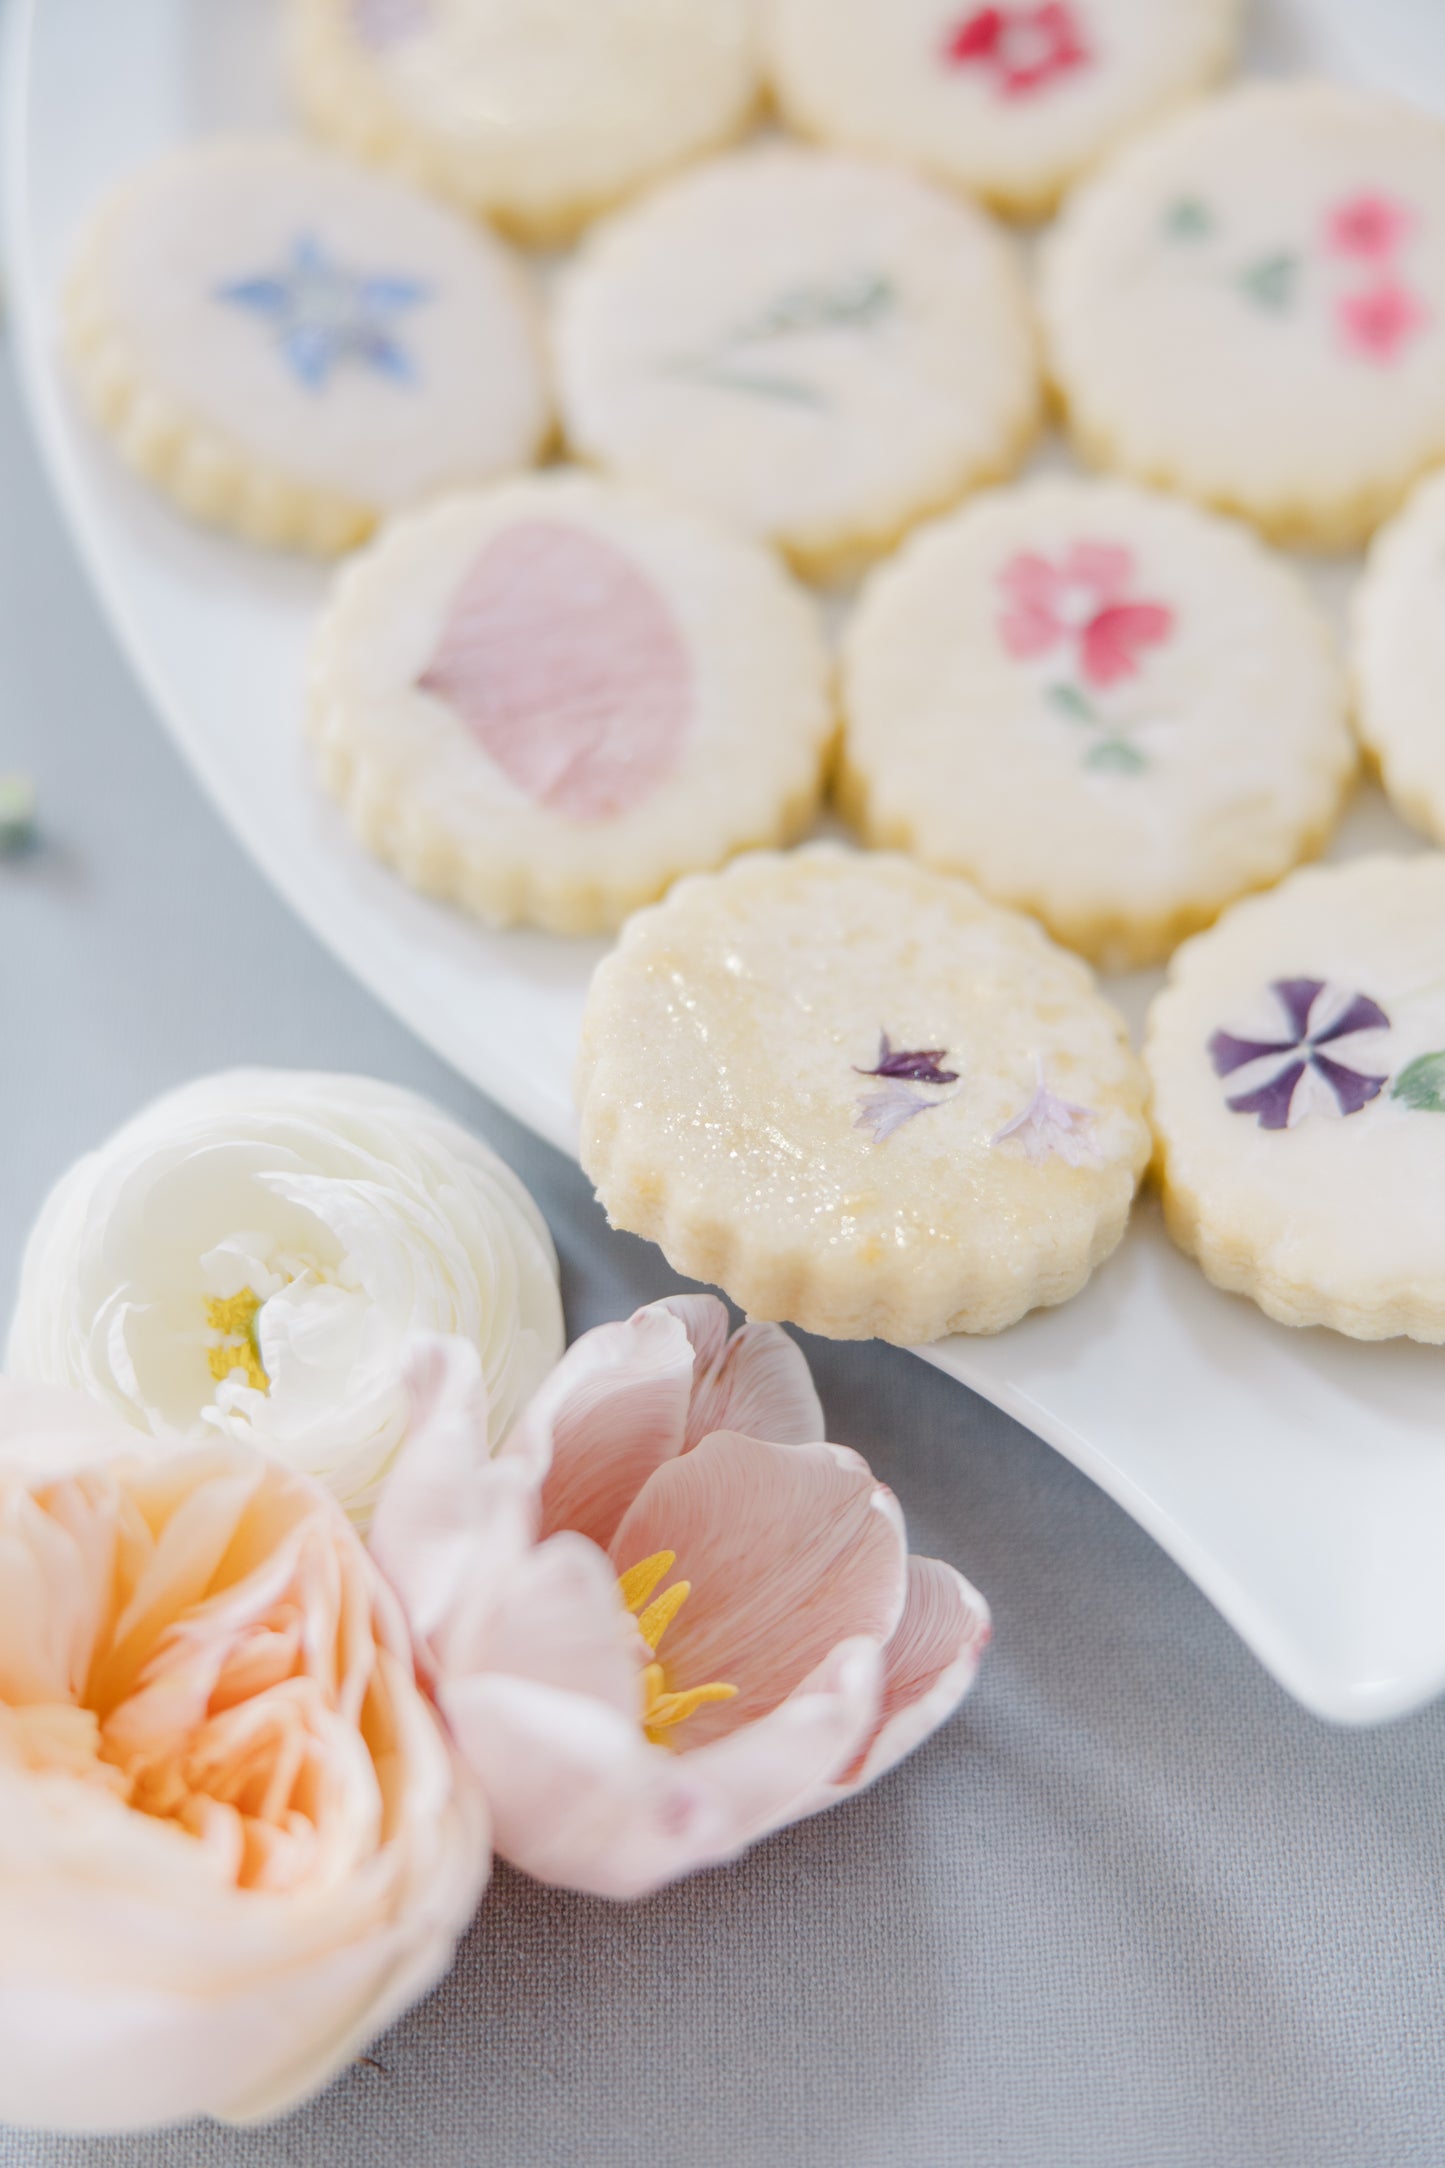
<point x="919" y="1064"/>
<point x="1297" y="997"/>
<point x="1273" y="1100"/>
<point x="1361" y="1015"/>
<point x="1228" y="1053"/>
<point x="1350" y="1087"/>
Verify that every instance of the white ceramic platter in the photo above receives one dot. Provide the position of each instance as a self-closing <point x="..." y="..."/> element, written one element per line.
<point x="1299" y="1478"/>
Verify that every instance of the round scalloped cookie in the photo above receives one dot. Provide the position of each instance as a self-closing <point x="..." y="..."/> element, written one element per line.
<point x="1012" y="102"/>
<point x="855" y="1094"/>
<point x="1398" y="623"/>
<point x="534" y="113"/>
<point x="1103" y="705"/>
<point x="1249" y="305"/>
<point x="548" y="700"/>
<point x="1296" y="1059"/>
<point x="815" y="348"/>
<point x="293" y="348"/>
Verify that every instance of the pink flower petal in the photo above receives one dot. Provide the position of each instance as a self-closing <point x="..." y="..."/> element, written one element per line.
<point x="1031" y="583"/>
<point x="612" y="1411"/>
<point x="929" y="1665"/>
<point x="1109" y="644"/>
<point x="1028" y="631"/>
<point x="450" y="1520"/>
<point x="566" y="665"/>
<point x="1376" y="322"/>
<point x="757" y="1382"/>
<point x="1368" y="226"/>
<point x="562" y="1624"/>
<point x="1106" y="568"/>
<point x="789" y="1550"/>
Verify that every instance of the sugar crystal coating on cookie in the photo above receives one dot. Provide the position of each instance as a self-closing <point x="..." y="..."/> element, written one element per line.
<point x="1296" y="1062"/>
<point x="547" y="700"/>
<point x="1105" y="706"/>
<point x="856" y="1095"/>
<point x="537" y="113"/>
<point x="1010" y="101"/>
<point x="295" y="347"/>
<point x="815" y="348"/>
<point x="1249" y="304"/>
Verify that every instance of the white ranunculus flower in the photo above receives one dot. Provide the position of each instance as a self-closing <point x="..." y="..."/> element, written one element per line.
<point x="248" y="1254"/>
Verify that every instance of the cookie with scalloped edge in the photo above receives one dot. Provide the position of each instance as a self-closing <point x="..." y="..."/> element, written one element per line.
<point x="1296" y="1061"/>
<point x="816" y="348"/>
<point x="294" y="348"/>
<point x="1248" y="305"/>
<point x="1102" y="704"/>
<point x="855" y="1094"/>
<point x="535" y="114"/>
<point x="1011" y="102"/>
<point x="547" y="700"/>
<point x="1398" y="647"/>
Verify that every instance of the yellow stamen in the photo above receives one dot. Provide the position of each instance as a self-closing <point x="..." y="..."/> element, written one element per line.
<point x="235" y="1317"/>
<point x="638" y="1583"/>
<point x="662" y="1708"/>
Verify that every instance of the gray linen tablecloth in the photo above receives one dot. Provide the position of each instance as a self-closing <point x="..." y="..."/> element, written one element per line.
<point x="1132" y="1908"/>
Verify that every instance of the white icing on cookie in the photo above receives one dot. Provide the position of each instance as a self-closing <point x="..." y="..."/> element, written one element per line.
<point x="1399" y="656"/>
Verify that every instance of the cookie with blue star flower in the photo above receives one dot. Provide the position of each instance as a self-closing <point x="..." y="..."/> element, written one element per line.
<point x="294" y="348"/>
<point x="1296" y="1062"/>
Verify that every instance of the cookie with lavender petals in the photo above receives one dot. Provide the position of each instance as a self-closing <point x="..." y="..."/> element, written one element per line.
<point x="856" y="1095"/>
<point x="1296" y="1060"/>
<point x="534" y="113"/>
<point x="1248" y="305"/>
<point x="1102" y="704"/>
<point x="547" y="700"/>
<point x="817" y="349"/>
<point x="294" y="348"/>
<point x="1011" y="102"/>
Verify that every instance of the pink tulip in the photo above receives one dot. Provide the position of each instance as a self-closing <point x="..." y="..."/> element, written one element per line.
<point x="666" y="1618"/>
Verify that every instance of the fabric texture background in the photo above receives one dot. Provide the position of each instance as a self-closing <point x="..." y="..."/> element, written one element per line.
<point x="1132" y="1909"/>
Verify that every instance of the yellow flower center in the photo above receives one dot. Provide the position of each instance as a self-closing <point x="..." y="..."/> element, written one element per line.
<point x="234" y="1317"/>
<point x="662" y="1709"/>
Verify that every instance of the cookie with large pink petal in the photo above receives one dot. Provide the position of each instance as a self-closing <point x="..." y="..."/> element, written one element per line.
<point x="1104" y="705"/>
<point x="547" y="701"/>
<point x="855" y="1094"/>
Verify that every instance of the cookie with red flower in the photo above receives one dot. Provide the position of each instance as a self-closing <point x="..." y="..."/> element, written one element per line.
<point x="1011" y="99"/>
<point x="1250" y="306"/>
<point x="1103" y="705"/>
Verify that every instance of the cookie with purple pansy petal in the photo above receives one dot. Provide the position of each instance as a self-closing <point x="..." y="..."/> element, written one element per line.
<point x="1296" y="1060"/>
<point x="857" y="1095"/>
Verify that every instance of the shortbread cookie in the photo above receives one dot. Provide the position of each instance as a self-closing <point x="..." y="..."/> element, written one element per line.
<point x="817" y="349"/>
<point x="535" y="113"/>
<point x="548" y="700"/>
<point x="1010" y="102"/>
<point x="1104" y="706"/>
<point x="854" y="1094"/>
<point x="1297" y="1062"/>
<point x="1399" y="657"/>
<point x="1249" y="305"/>
<point x="293" y="348"/>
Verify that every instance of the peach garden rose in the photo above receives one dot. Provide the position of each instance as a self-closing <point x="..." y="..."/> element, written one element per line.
<point x="666" y="1617"/>
<point x="235" y="1840"/>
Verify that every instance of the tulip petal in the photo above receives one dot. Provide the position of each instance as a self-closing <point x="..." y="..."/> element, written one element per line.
<point x="613" y="1410"/>
<point x="929" y="1665"/>
<point x="757" y="1382"/>
<point x="790" y="1549"/>
<point x="562" y="1624"/>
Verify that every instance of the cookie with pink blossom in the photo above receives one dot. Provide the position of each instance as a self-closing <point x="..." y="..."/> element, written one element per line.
<point x="1248" y="305"/>
<point x="1012" y="101"/>
<point x="1102" y="704"/>
<point x="855" y="1094"/>
<point x="1399" y="657"/>
<point x="536" y="114"/>
<point x="548" y="700"/>
<point x="1296" y="1061"/>
<point x="818" y="349"/>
